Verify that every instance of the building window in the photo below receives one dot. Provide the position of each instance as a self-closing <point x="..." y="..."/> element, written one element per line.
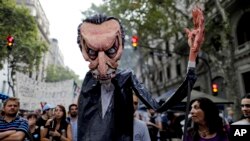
<point x="168" y="72"/>
<point x="178" y="68"/>
<point x="161" y="76"/>
<point x="243" y="30"/>
<point x="246" y="81"/>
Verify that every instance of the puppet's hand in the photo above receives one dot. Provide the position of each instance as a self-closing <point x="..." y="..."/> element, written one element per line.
<point x="196" y="35"/>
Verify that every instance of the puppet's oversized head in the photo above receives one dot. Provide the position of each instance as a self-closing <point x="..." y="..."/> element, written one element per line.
<point x="101" y="41"/>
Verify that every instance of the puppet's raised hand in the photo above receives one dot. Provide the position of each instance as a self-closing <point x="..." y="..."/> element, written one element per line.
<point x="196" y="35"/>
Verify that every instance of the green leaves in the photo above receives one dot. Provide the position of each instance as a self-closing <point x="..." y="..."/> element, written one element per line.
<point x="59" y="73"/>
<point x="28" y="48"/>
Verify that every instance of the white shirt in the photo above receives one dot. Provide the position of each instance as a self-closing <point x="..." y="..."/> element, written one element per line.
<point x="140" y="131"/>
<point x="107" y="90"/>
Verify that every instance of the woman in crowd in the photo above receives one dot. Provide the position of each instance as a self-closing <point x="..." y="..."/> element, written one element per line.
<point x="57" y="128"/>
<point x="207" y="124"/>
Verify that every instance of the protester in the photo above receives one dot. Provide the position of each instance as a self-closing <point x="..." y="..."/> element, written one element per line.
<point x="33" y="128"/>
<point x="72" y="119"/>
<point x="140" y="128"/>
<point x="12" y="127"/>
<point x="230" y="115"/>
<point x="207" y="123"/>
<point x="47" y="113"/>
<point x="154" y="124"/>
<point x="245" y="108"/>
<point x="57" y="128"/>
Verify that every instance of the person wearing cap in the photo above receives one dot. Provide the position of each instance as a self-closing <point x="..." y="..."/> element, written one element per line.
<point x="47" y="114"/>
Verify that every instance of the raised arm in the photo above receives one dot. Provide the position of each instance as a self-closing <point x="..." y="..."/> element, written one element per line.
<point x="195" y="40"/>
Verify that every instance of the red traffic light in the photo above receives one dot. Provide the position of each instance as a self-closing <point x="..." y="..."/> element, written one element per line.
<point x="10" y="41"/>
<point x="215" y="87"/>
<point x="135" y="41"/>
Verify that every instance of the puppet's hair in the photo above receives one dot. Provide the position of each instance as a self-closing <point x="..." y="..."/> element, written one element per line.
<point x="98" y="19"/>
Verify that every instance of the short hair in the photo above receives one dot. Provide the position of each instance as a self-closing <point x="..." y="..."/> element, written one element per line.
<point x="99" y="19"/>
<point x="11" y="99"/>
<point x="71" y="105"/>
<point x="247" y="96"/>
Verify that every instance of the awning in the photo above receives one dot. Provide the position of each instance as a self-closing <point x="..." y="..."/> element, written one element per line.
<point x="180" y="106"/>
<point x="196" y="94"/>
<point x="215" y="99"/>
<point x="3" y="96"/>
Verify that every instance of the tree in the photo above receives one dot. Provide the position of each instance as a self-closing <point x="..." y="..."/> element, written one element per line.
<point x="28" y="48"/>
<point x="26" y="53"/>
<point x="59" y="73"/>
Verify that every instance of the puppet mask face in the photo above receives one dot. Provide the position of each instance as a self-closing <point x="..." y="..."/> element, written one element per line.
<point x="102" y="47"/>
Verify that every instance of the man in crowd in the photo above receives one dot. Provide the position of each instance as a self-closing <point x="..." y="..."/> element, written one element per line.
<point x="140" y="128"/>
<point x="12" y="127"/>
<point x="72" y="119"/>
<point x="245" y="108"/>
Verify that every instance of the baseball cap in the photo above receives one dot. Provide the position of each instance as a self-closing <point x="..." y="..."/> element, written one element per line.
<point x="47" y="107"/>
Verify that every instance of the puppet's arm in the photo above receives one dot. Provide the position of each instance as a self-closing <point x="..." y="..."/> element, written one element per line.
<point x="195" y="40"/>
<point x="181" y="92"/>
<point x="146" y="97"/>
<point x="143" y="94"/>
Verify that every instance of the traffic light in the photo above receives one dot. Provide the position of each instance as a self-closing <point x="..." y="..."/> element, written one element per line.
<point x="135" y="41"/>
<point x="215" y="89"/>
<point x="10" y="42"/>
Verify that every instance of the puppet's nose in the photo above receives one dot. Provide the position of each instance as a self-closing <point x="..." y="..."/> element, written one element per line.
<point x="102" y="65"/>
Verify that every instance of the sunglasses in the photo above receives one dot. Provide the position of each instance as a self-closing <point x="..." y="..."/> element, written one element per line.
<point x="245" y="105"/>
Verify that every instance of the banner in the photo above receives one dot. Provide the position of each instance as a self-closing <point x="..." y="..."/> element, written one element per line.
<point x="31" y="92"/>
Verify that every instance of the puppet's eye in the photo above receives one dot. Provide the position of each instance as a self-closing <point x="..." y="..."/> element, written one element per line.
<point x="112" y="51"/>
<point x="92" y="54"/>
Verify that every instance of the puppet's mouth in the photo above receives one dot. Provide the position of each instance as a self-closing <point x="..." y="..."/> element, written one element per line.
<point x="105" y="77"/>
<point x="108" y="76"/>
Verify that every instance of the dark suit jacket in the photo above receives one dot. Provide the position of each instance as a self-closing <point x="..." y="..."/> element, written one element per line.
<point x="117" y="124"/>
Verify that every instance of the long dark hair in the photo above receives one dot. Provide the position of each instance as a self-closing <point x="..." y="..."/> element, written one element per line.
<point x="211" y="116"/>
<point x="63" y="123"/>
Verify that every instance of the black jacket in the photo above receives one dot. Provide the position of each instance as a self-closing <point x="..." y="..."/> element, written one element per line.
<point x="117" y="124"/>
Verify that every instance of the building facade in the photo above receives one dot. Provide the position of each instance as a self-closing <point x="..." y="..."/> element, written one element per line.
<point x="162" y="71"/>
<point x="55" y="56"/>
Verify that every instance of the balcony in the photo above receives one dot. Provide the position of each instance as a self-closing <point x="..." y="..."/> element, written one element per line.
<point x="242" y="50"/>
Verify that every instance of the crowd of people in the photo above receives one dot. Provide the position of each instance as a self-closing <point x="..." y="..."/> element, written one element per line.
<point x="107" y="110"/>
<point x="55" y="124"/>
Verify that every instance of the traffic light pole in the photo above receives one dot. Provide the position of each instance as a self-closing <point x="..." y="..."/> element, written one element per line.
<point x="209" y="70"/>
<point x="11" y="63"/>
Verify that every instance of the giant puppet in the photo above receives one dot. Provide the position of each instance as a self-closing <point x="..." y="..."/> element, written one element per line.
<point x="106" y="101"/>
